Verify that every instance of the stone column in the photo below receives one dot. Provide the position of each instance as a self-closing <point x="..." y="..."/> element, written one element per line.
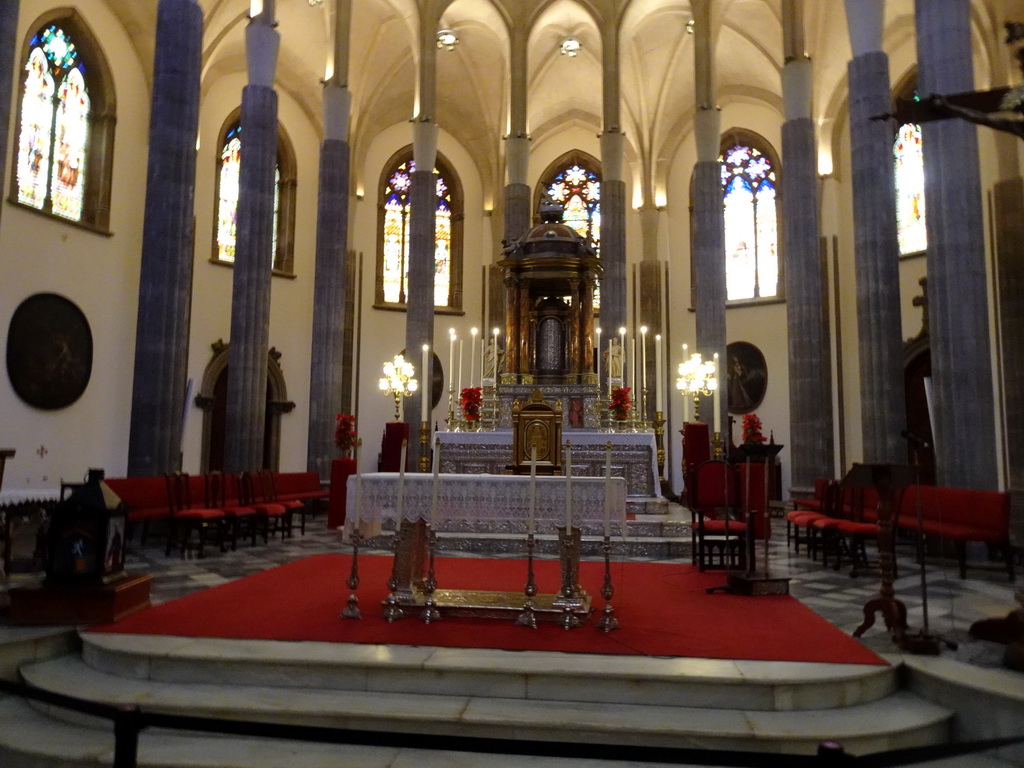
<point x="876" y="250"/>
<point x="650" y="275"/>
<point x="419" y="320"/>
<point x="811" y="442"/>
<point x="165" y="282"/>
<point x="327" y="359"/>
<point x="8" y="65"/>
<point x="708" y="211"/>
<point x="250" y="297"/>
<point x="962" y="399"/>
<point x="613" y="188"/>
<point x="518" y="214"/>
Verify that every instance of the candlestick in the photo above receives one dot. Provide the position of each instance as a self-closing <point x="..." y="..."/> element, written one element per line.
<point x="643" y="358"/>
<point x="598" y="361"/>
<point x="458" y="389"/>
<point x="714" y="400"/>
<point x="659" y="376"/>
<point x="495" y="356"/>
<point x="401" y="483"/>
<point x="568" y="486"/>
<point x="433" y="488"/>
<point x="608" y="489"/>
<point x="533" y="489"/>
<point x="451" y="368"/>
<point x="425" y="390"/>
<point x="358" y="502"/>
<point x="472" y="354"/>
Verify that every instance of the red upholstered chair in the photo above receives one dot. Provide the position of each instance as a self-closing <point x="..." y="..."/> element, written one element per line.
<point x="805" y="512"/>
<point x="843" y="531"/>
<point x="273" y="518"/>
<point x="269" y="485"/>
<point x="718" y="526"/>
<point x="223" y="492"/>
<point x="186" y="516"/>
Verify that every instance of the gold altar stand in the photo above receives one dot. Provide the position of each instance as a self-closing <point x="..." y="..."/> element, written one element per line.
<point x="411" y="590"/>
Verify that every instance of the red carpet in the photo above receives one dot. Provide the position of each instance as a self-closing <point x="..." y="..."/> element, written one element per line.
<point x="663" y="610"/>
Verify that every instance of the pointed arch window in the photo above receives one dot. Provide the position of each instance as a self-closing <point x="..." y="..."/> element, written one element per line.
<point x="65" y="127"/>
<point x="908" y="159"/>
<point x="226" y="221"/>
<point x="573" y="182"/>
<point x="395" y="204"/>
<point x="749" y="191"/>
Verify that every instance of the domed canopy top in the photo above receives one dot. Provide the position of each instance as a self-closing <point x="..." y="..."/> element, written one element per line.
<point x="550" y="238"/>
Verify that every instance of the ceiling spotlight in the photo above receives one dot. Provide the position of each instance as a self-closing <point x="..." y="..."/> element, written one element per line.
<point x="570" y="47"/>
<point x="447" y="39"/>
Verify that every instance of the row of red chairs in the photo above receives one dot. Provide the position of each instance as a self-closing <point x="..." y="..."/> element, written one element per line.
<point x="837" y="521"/>
<point x="230" y="506"/>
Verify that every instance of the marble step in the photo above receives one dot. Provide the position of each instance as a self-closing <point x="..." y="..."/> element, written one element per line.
<point x="466" y="672"/>
<point x="591" y="547"/>
<point x="896" y="721"/>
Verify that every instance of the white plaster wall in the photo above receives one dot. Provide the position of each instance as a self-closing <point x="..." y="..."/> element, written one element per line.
<point x="99" y="273"/>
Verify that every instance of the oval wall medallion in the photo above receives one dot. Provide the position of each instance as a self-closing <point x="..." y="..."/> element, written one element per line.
<point x="49" y="351"/>
<point x="747" y="376"/>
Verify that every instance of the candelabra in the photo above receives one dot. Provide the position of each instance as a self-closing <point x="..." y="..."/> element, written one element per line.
<point x="697" y="378"/>
<point x="398" y="382"/>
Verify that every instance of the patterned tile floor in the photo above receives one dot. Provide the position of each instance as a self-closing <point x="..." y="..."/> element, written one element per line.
<point x="953" y="604"/>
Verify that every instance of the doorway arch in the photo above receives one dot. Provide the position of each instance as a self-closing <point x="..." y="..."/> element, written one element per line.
<point x="212" y="400"/>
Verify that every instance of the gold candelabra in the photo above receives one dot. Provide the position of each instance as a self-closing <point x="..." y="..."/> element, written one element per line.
<point x="398" y="382"/>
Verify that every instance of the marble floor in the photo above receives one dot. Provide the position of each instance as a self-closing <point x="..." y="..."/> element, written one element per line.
<point x="952" y="604"/>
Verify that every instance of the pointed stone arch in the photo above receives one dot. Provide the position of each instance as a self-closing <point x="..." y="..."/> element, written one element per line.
<point x="211" y="400"/>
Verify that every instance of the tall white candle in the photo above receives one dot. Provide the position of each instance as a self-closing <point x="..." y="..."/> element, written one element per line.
<point x="472" y="355"/>
<point x="643" y="363"/>
<point x="622" y="349"/>
<point x="609" y="369"/>
<point x="632" y="365"/>
<point x="401" y="483"/>
<point x="568" y="485"/>
<point x="659" y="375"/>
<point x="608" y="489"/>
<point x="458" y="389"/>
<point x="451" y="368"/>
<point x="533" y="489"/>
<point x="714" y="398"/>
<point x="686" y="393"/>
<point x="598" y="332"/>
<point x="483" y="356"/>
<point x="433" y="487"/>
<point x="425" y="389"/>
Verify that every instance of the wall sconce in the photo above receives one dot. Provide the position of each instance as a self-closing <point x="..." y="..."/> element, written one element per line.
<point x="570" y="47"/>
<point x="398" y="382"/>
<point x="447" y="39"/>
<point x="689" y="26"/>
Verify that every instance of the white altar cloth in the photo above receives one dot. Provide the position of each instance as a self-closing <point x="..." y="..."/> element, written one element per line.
<point x="584" y="439"/>
<point x="473" y="498"/>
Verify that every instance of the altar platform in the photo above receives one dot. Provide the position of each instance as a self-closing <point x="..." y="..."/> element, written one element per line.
<point x="634" y="458"/>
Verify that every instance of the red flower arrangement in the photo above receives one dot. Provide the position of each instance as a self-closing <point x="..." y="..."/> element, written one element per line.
<point x="621" y="402"/>
<point x="752" y="429"/>
<point x="345" y="436"/>
<point x="470" y="400"/>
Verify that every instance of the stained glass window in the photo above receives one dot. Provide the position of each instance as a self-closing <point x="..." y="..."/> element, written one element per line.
<point x="53" y="136"/>
<point x="751" y="225"/>
<point x="227" y="198"/>
<point x="577" y="189"/>
<point x="395" y="262"/>
<point x="909" y="160"/>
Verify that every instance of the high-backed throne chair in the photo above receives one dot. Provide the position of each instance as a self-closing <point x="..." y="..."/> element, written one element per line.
<point x="536" y="424"/>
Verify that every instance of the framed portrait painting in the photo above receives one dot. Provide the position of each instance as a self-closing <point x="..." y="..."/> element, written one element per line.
<point x="746" y="376"/>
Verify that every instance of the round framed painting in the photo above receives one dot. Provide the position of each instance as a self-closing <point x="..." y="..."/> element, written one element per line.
<point x="49" y="351"/>
<point x="747" y="376"/>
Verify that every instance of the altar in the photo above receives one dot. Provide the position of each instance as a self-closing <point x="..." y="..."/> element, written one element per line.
<point x="634" y="456"/>
<point x="541" y="505"/>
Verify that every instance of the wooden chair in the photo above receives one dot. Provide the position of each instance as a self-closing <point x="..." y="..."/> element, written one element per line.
<point x="224" y="492"/>
<point x="274" y="518"/>
<point x="269" y="485"/>
<point x="718" y="525"/>
<point x="536" y="425"/>
<point x="186" y="517"/>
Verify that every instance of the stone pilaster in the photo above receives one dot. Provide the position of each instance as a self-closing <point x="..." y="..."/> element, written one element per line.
<point x="962" y="397"/>
<point x="709" y="268"/>
<point x="613" y="253"/>
<point x="883" y="411"/>
<point x="165" y="282"/>
<point x="8" y="64"/>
